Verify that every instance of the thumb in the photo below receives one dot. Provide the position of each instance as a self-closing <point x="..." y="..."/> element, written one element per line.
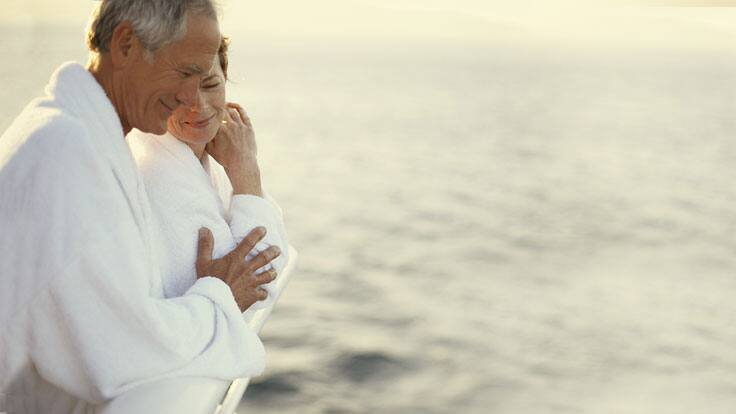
<point x="204" y="251"/>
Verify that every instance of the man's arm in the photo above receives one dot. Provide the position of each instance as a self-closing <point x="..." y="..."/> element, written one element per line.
<point x="95" y="324"/>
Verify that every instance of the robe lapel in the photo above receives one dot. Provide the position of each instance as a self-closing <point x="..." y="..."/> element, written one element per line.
<point x="80" y="92"/>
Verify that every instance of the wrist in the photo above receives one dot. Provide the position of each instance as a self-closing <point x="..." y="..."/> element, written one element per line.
<point x="239" y="163"/>
<point x="245" y="180"/>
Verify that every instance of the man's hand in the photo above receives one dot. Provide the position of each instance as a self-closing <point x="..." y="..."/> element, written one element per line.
<point x="234" y="147"/>
<point x="232" y="268"/>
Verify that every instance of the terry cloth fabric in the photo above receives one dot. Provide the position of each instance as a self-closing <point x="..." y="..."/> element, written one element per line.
<point x="187" y="194"/>
<point x="83" y="313"/>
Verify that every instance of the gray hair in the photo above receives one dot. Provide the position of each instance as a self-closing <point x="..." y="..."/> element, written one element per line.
<point x="156" y="22"/>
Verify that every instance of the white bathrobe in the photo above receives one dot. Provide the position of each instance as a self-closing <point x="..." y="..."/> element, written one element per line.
<point x="83" y="315"/>
<point x="187" y="194"/>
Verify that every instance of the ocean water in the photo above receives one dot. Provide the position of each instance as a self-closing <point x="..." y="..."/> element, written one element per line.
<point x="485" y="231"/>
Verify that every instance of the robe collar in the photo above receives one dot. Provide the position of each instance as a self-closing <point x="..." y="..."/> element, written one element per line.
<point x="200" y="171"/>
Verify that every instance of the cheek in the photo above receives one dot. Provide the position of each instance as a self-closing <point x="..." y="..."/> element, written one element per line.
<point x="174" y="121"/>
<point x="163" y="88"/>
<point x="217" y="101"/>
<point x="213" y="128"/>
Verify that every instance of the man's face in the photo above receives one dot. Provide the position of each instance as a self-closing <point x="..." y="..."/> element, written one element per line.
<point x="152" y="91"/>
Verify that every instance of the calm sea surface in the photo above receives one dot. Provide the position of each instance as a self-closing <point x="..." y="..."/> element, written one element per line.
<point x="483" y="231"/>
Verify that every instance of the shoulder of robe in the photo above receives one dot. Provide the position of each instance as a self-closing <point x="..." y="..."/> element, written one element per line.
<point x="51" y="182"/>
<point x="50" y="156"/>
<point x="46" y="139"/>
<point x="60" y="134"/>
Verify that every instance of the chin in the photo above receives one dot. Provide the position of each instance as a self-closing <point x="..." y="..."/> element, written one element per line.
<point x="199" y="137"/>
<point x="160" y="130"/>
<point x="157" y="127"/>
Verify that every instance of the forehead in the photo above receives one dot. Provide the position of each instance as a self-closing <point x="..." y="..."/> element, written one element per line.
<point x="197" y="50"/>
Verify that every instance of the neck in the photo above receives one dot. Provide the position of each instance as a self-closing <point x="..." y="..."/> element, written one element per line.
<point x="198" y="150"/>
<point x="99" y="67"/>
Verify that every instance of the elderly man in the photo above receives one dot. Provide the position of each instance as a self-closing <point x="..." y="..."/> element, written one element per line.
<point x="83" y="316"/>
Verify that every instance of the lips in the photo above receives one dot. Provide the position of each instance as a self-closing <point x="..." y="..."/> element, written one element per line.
<point x="201" y="123"/>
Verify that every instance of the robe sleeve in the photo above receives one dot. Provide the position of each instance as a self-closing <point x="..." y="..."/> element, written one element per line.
<point x="246" y="212"/>
<point x="96" y="327"/>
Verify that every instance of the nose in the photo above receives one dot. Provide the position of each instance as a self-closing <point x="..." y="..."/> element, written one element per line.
<point x="190" y="95"/>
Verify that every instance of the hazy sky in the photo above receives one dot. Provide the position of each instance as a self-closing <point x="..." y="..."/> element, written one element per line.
<point x="594" y="23"/>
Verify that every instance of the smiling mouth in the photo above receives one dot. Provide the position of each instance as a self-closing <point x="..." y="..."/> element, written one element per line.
<point x="200" y="124"/>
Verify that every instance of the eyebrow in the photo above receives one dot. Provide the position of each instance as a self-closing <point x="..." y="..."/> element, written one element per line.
<point x="193" y="69"/>
<point x="210" y="77"/>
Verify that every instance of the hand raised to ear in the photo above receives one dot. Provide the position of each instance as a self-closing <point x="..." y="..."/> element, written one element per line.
<point x="234" y="147"/>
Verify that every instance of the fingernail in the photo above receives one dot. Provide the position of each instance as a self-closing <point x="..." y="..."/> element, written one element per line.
<point x="202" y="231"/>
<point x="262" y="230"/>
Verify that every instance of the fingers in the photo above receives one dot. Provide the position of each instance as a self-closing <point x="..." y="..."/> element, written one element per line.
<point x="241" y="112"/>
<point x="239" y="115"/>
<point x="235" y="115"/>
<point x="204" y="248"/>
<point x="265" y="257"/>
<point x="265" y="277"/>
<point x="248" y="290"/>
<point x="232" y="116"/>
<point x="249" y="242"/>
<point x="230" y="121"/>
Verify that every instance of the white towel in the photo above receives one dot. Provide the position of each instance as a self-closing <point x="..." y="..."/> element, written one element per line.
<point x="187" y="194"/>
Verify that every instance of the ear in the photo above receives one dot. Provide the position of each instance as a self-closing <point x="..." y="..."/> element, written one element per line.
<point x="123" y="45"/>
